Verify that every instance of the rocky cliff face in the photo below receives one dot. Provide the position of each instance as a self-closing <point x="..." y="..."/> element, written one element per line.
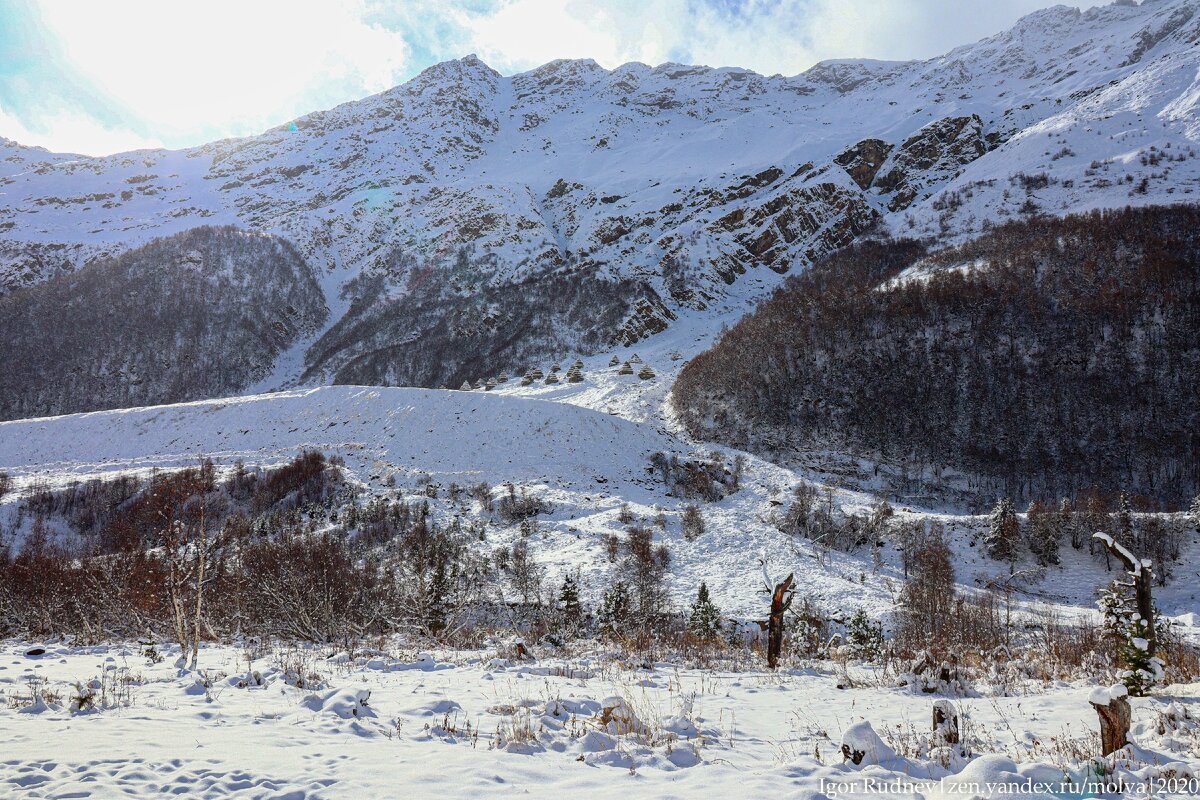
<point x="928" y="159"/>
<point x="685" y="189"/>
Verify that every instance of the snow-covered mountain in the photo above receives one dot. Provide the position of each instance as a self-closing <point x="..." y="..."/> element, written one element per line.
<point x="692" y="188"/>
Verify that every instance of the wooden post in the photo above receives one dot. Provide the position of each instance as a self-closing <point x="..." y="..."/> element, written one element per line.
<point x="781" y="600"/>
<point x="1114" y="724"/>
<point x="945" y="723"/>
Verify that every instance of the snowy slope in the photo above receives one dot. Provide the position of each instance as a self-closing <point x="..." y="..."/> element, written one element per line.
<point x="451" y="436"/>
<point x="586" y="464"/>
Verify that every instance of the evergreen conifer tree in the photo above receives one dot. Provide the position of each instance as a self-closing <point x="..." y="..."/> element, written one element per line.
<point x="705" y="620"/>
<point x="569" y="607"/>
<point x="1068" y="526"/>
<point x="1042" y="532"/>
<point x="864" y="637"/>
<point x="1004" y="532"/>
<point x="1123" y="527"/>
<point x="1141" y="671"/>
<point x="614" y="609"/>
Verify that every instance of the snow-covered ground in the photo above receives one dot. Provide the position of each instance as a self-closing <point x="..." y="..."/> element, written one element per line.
<point x="395" y="722"/>
<point x="586" y="463"/>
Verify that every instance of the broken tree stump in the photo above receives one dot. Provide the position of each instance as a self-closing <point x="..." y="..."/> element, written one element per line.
<point x="1112" y="706"/>
<point x="1142" y="576"/>
<point x="781" y="600"/>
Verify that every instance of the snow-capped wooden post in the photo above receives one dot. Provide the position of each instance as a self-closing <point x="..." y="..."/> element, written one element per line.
<point x="1113" y="708"/>
<point x="945" y="723"/>
<point x="781" y="600"/>
<point x="1143" y="579"/>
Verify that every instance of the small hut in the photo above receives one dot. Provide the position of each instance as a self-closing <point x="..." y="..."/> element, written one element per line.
<point x="626" y="369"/>
<point x="646" y="373"/>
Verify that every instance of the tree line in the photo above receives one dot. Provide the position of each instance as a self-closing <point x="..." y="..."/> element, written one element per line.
<point x="1045" y="359"/>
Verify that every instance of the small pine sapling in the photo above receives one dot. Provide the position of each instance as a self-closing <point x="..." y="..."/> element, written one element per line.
<point x="614" y="609"/>
<point x="705" y="620"/>
<point x="864" y="636"/>
<point x="569" y="608"/>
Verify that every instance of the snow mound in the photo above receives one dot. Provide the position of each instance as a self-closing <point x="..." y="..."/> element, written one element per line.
<point x="344" y="703"/>
<point x="998" y="776"/>
<point x="862" y="746"/>
<point x="379" y="431"/>
<point x="619" y="718"/>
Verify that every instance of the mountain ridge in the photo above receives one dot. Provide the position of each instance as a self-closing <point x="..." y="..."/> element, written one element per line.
<point x="682" y="180"/>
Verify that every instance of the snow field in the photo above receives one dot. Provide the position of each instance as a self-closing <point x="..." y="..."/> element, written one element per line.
<point x="396" y="721"/>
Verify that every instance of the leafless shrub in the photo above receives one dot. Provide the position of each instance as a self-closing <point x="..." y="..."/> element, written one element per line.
<point x="516" y="507"/>
<point x="692" y="522"/>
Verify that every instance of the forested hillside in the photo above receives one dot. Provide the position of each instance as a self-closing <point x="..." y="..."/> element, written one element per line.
<point x="1048" y="357"/>
<point x="199" y="314"/>
<point x="408" y="328"/>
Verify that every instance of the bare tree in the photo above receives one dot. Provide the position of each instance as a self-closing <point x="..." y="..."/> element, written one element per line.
<point x="525" y="573"/>
<point x="189" y="546"/>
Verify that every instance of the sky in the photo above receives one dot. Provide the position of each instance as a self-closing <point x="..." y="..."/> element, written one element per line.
<point x="93" y="77"/>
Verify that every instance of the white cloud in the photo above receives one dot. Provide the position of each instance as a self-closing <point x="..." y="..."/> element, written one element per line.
<point x="231" y="65"/>
<point x="769" y="36"/>
<point x="525" y="33"/>
<point x="62" y="130"/>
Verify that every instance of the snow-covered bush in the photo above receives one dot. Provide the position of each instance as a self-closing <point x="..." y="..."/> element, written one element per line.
<point x="515" y="507"/>
<point x="707" y="479"/>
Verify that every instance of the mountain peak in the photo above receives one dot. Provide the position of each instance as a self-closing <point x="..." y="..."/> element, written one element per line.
<point x="467" y="69"/>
